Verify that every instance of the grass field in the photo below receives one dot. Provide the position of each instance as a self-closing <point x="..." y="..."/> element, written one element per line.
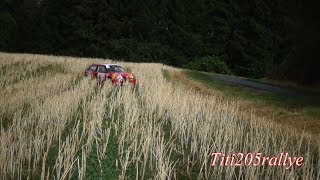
<point x="58" y="124"/>
<point x="301" y="111"/>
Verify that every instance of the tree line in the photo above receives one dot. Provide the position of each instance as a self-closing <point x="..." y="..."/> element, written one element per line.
<point x="253" y="38"/>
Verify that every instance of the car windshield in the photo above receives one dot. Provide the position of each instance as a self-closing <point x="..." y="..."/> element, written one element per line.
<point x="116" y="69"/>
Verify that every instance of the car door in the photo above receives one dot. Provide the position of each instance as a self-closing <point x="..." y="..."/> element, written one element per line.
<point x="92" y="71"/>
<point x="101" y="72"/>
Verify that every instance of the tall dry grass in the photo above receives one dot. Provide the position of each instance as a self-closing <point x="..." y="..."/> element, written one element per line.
<point x="52" y="120"/>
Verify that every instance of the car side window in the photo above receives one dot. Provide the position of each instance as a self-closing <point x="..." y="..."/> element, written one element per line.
<point x="111" y="68"/>
<point x="92" y="68"/>
<point x="102" y="69"/>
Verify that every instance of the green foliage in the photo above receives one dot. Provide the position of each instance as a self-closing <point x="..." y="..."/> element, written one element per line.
<point x="7" y="28"/>
<point x="253" y="37"/>
<point x="209" y="64"/>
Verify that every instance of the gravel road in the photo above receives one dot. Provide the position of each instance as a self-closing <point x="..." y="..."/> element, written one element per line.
<point x="239" y="81"/>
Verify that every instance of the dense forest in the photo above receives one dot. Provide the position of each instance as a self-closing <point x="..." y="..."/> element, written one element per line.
<point x="253" y="38"/>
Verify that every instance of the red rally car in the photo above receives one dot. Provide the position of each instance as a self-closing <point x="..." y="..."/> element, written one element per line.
<point x="114" y="72"/>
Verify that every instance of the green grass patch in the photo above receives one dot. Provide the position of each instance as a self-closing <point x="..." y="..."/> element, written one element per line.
<point x="165" y="74"/>
<point x="108" y="165"/>
<point x="308" y="102"/>
<point x="108" y="168"/>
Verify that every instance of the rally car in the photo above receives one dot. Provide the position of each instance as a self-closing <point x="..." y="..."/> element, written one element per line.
<point x="113" y="72"/>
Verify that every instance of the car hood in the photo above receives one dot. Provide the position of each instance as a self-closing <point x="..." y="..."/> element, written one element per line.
<point x="123" y="74"/>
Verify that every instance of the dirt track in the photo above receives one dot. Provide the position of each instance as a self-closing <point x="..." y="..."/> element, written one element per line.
<point x="239" y="81"/>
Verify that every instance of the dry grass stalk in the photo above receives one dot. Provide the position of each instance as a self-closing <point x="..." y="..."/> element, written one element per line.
<point x="161" y="126"/>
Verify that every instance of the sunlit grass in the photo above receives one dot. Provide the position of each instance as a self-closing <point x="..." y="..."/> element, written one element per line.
<point x="160" y="129"/>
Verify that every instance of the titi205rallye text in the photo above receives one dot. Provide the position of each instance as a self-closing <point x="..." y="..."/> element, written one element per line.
<point x="113" y="72"/>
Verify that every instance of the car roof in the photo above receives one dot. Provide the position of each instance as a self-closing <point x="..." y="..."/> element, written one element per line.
<point x="107" y="65"/>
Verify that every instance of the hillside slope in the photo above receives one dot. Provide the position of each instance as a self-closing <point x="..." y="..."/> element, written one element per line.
<point x="56" y="123"/>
